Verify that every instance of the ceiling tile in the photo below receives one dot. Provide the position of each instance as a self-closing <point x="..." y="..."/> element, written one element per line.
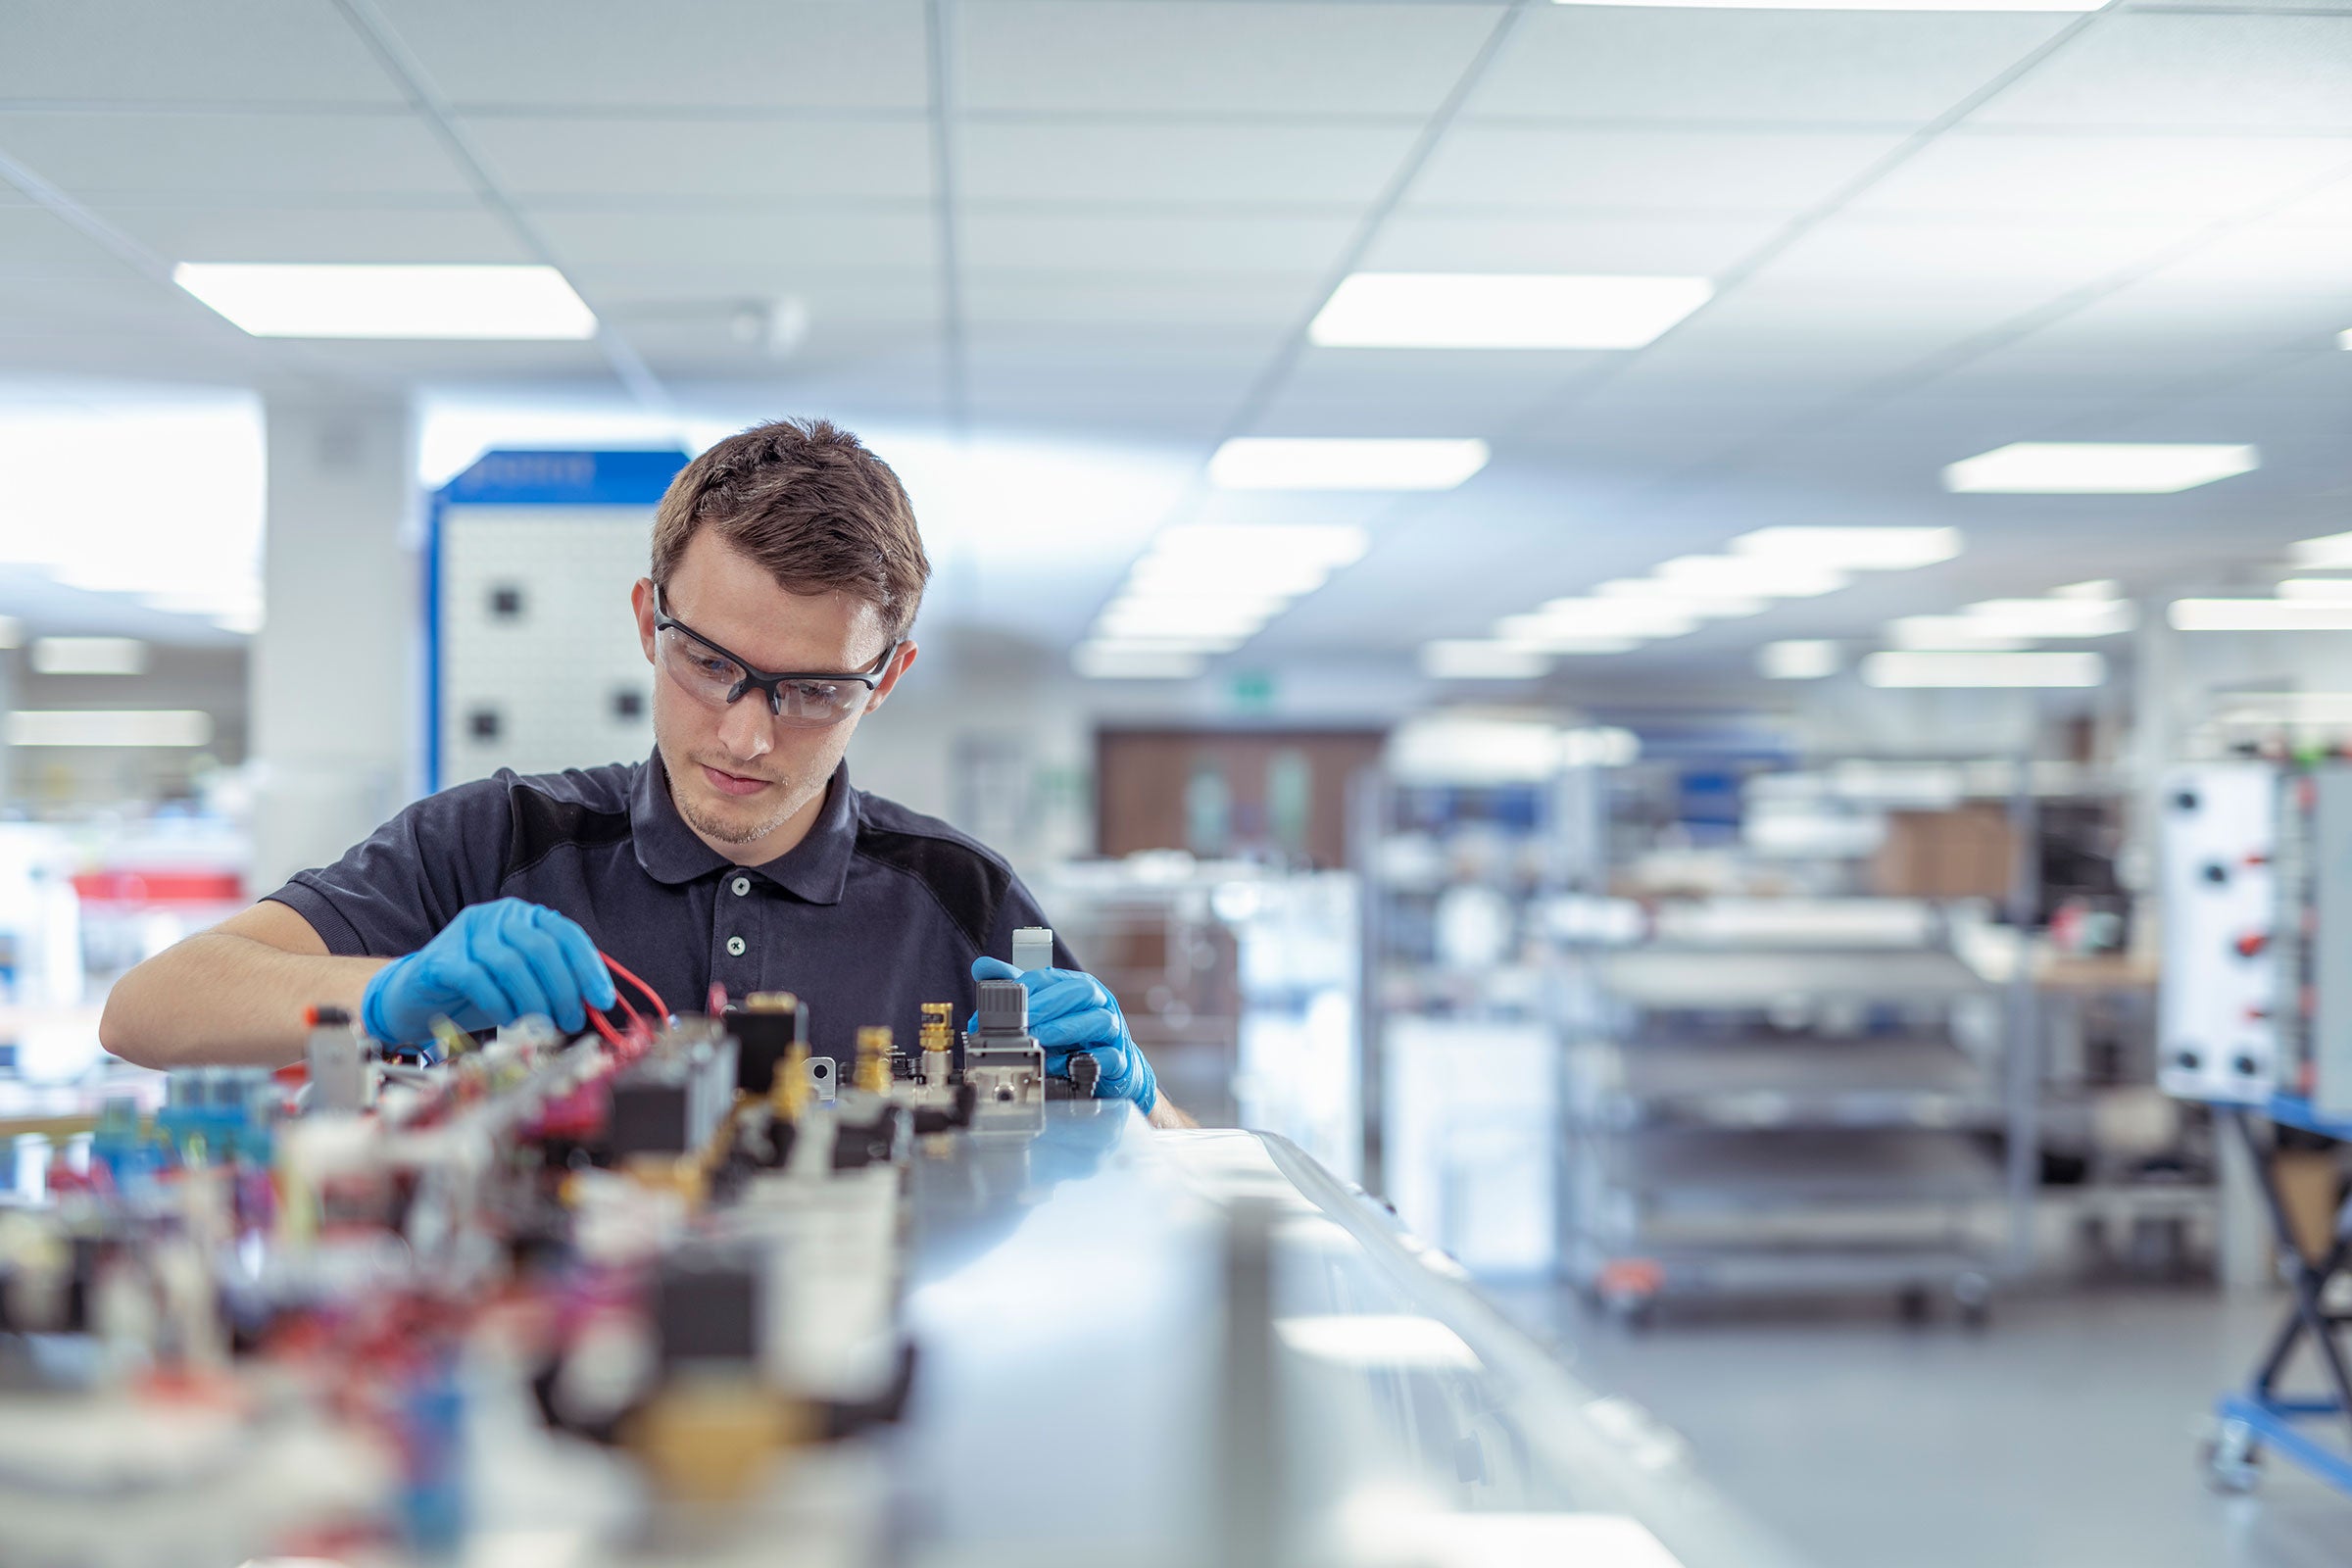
<point x="695" y="54"/>
<point x="1700" y="64"/>
<point x="36" y="243"/>
<point x="1189" y="301"/>
<point x="538" y="156"/>
<point x="1643" y="170"/>
<point x="1430" y="239"/>
<point x="2168" y="71"/>
<point x="1082" y="242"/>
<point x="318" y="231"/>
<point x="65" y="307"/>
<point x="1195" y="160"/>
<point x="164" y="51"/>
<point x="1928" y="255"/>
<point x="230" y="154"/>
<point x="812" y="237"/>
<point x="2095" y="179"/>
<point x="1215" y="56"/>
<point x="2293" y="258"/>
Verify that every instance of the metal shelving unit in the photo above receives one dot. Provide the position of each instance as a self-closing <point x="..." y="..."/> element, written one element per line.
<point x="1773" y="1118"/>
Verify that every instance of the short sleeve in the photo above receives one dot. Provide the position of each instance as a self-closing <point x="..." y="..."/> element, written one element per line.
<point x="395" y="891"/>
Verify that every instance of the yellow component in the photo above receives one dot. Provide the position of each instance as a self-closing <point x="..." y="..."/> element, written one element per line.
<point x="712" y="1439"/>
<point x="939" y="1026"/>
<point x="454" y="1041"/>
<point x="770" y="1002"/>
<point x="873" y="1059"/>
<point x="682" y="1174"/>
<point x="789" y="1096"/>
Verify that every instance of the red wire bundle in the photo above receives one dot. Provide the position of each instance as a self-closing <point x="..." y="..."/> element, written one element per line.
<point x="637" y="1029"/>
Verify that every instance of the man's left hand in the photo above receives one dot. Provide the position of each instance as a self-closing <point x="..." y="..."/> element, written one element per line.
<point x="1070" y="1010"/>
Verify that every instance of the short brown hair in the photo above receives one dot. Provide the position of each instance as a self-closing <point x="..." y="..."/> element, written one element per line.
<point x="807" y="500"/>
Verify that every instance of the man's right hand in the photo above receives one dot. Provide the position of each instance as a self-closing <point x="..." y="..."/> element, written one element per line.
<point x="492" y="964"/>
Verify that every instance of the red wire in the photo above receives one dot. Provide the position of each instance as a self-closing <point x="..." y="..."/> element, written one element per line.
<point x="660" y="1007"/>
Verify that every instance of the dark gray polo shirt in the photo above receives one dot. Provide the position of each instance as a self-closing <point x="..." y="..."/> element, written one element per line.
<point x="877" y="911"/>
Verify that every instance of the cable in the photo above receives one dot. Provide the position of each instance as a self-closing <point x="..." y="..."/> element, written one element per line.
<point x="660" y="1007"/>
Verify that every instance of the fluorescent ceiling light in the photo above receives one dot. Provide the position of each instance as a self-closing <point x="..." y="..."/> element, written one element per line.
<point x="1502" y="311"/>
<point x="1699" y="607"/>
<point x="1549" y="637"/>
<point x="1600" y="617"/>
<point x="2099" y="468"/>
<point x="90" y="655"/>
<point x="274" y="299"/>
<point x="1949" y="632"/>
<point x="1178" y="574"/>
<point x="1983" y="670"/>
<point x="1344" y="462"/>
<point x="2343" y="339"/>
<point x="1477" y="660"/>
<point x="63" y="726"/>
<point x="2260" y="614"/>
<point x="1799" y="658"/>
<point x="1852" y="549"/>
<point x="1750" y="575"/>
<point x="2323" y="553"/>
<point x="2033" y="618"/>
<point x="2335" y="590"/>
<point x="12" y="631"/>
<point x="1129" y="618"/>
<point x="1098" y="660"/>
<point x="1236" y="544"/>
<point x="2104" y="590"/>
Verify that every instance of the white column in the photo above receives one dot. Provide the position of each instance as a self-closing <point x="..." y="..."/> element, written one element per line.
<point x="335" y="687"/>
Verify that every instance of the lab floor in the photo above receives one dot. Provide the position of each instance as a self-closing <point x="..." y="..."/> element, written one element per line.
<point x="2064" y="1435"/>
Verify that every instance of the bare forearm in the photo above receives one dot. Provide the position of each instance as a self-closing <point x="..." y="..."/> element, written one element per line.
<point x="1164" y="1113"/>
<point x="226" y="1000"/>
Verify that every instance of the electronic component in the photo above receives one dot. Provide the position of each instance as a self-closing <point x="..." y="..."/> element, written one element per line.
<point x="337" y="1060"/>
<point x="873" y="1060"/>
<point x="707" y="1306"/>
<point x="1032" y="948"/>
<point x="765" y="1029"/>
<point x="673" y="1103"/>
<point x="937" y="1043"/>
<point x="1002" y="1062"/>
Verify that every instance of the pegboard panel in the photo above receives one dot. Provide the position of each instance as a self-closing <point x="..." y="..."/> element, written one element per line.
<point x="540" y="667"/>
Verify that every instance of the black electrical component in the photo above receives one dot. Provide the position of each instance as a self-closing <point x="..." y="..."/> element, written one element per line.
<point x="707" y="1301"/>
<point x="673" y="1105"/>
<point x="765" y="1029"/>
<point x="887" y="1140"/>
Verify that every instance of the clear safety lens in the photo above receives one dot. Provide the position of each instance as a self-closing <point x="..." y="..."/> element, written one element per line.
<point x="715" y="680"/>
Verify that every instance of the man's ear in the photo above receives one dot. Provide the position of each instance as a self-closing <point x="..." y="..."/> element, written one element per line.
<point x="899" y="665"/>
<point x="641" y="600"/>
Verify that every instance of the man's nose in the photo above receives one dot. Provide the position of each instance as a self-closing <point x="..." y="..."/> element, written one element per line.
<point x="747" y="729"/>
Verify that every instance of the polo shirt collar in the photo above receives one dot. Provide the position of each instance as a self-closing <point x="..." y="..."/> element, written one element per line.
<point x="814" y="870"/>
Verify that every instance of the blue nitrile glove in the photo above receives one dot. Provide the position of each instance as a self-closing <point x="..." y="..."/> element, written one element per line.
<point x="491" y="966"/>
<point x="1071" y="1010"/>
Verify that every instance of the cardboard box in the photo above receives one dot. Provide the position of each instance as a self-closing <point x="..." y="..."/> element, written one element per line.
<point x="1962" y="854"/>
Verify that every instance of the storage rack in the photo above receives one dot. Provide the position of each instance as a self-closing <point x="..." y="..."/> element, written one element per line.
<point x="1780" y="1117"/>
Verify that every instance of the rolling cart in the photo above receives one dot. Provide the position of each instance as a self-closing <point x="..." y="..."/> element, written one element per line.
<point x="2261" y="1415"/>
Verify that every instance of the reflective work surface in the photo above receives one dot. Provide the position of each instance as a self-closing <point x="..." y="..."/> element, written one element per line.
<point x="1198" y="1347"/>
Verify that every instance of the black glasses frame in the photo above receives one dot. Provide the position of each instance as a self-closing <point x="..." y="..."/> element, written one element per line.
<point x="768" y="682"/>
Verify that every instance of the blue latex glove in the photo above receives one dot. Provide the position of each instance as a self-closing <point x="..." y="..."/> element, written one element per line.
<point x="491" y="966"/>
<point x="1070" y="1010"/>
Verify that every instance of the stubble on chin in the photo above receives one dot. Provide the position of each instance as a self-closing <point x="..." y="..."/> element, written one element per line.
<point x="737" y="829"/>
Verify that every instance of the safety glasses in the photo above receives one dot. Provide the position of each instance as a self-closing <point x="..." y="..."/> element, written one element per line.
<point x="799" y="699"/>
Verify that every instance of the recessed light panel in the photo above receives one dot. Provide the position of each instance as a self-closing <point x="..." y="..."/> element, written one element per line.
<point x="1478" y="660"/>
<point x="2260" y="614"/>
<point x="1345" y="463"/>
<point x="1799" y="658"/>
<point x="110" y="726"/>
<point x="376" y="301"/>
<point x="2099" y="468"/>
<point x="1750" y="575"/>
<point x="1503" y="311"/>
<point x="1852" y="549"/>
<point x="1983" y="670"/>
<point x="1106" y="660"/>
<point x="1949" y="632"/>
<point x="90" y="655"/>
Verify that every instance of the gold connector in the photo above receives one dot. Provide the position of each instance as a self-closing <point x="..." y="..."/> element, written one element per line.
<point x="873" y="1059"/>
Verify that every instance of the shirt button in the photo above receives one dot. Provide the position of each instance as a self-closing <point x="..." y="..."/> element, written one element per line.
<point x="735" y="946"/>
<point x="742" y="885"/>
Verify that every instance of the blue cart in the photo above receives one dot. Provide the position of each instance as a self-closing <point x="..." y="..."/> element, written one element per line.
<point x="2261" y="1417"/>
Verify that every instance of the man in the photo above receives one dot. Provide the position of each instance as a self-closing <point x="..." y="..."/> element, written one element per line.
<point x="737" y="856"/>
